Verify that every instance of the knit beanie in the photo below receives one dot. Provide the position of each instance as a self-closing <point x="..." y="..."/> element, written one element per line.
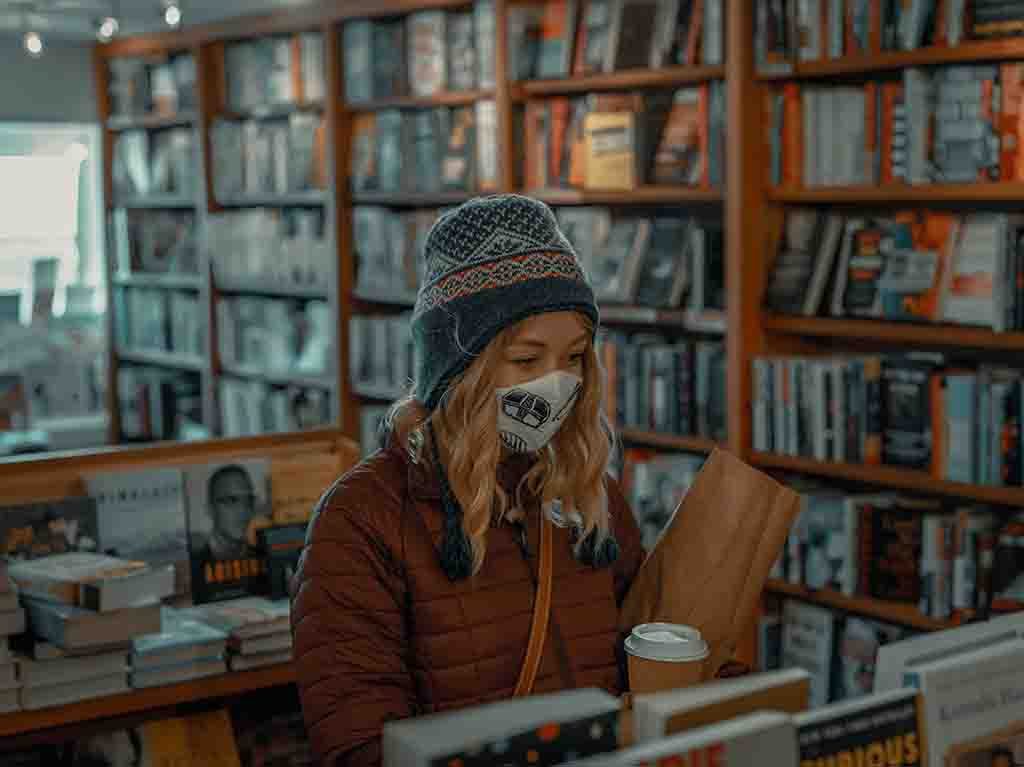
<point x="489" y="263"/>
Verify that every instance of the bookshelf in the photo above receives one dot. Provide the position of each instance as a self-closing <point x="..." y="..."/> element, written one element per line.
<point x="751" y="209"/>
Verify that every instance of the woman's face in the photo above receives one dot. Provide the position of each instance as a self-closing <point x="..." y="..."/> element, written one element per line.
<point x="542" y="344"/>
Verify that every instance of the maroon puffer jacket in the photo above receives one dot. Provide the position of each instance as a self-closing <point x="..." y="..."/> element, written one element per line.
<point x="381" y="633"/>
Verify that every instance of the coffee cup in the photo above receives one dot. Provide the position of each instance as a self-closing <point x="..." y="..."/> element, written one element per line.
<point x="665" y="656"/>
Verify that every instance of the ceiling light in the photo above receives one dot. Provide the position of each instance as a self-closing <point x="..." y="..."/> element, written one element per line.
<point x="172" y="15"/>
<point x="33" y="44"/>
<point x="106" y="29"/>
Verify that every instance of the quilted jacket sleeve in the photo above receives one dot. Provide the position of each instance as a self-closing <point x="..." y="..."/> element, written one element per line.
<point x="627" y="533"/>
<point x="349" y="629"/>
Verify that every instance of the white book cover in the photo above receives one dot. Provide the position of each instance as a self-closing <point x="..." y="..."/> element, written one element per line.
<point x="141" y="515"/>
<point x="969" y="695"/>
<point x="766" y="737"/>
<point x="894" y="658"/>
<point x="808" y="643"/>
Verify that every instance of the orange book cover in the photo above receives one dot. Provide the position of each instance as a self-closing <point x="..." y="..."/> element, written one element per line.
<point x="892" y="96"/>
<point x="578" y="148"/>
<point x="554" y="25"/>
<point x="298" y="88"/>
<point x="873" y="438"/>
<point x="851" y="46"/>
<point x="533" y="176"/>
<point x="559" y="120"/>
<point x="579" y="44"/>
<point x="1009" y="120"/>
<point x="695" y="31"/>
<point x="875" y="27"/>
<point x="792" y="136"/>
<point x="938" y="232"/>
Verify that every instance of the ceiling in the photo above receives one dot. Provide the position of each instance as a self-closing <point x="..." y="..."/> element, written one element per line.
<point x="74" y="20"/>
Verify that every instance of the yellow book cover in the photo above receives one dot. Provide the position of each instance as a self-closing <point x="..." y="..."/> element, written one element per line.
<point x="610" y="150"/>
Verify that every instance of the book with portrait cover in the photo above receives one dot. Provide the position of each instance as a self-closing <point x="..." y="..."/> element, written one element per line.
<point x="227" y="503"/>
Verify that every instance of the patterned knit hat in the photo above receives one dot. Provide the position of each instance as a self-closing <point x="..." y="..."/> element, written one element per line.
<point x="490" y="263"/>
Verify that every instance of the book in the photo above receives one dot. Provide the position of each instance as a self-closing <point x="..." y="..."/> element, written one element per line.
<point x="227" y="504"/>
<point x="667" y="713"/>
<point x="894" y="658"/>
<point x="270" y="643"/>
<point x="72" y="628"/>
<point x="863" y="730"/>
<point x="297" y="483"/>
<point x="259" y="660"/>
<point x="968" y="695"/>
<point x="93" y="581"/>
<point x="31" y="530"/>
<point x="41" y="673"/>
<point x="549" y="727"/>
<point x="157" y="676"/>
<point x="33" y="698"/>
<point x="246" y="617"/>
<point x="766" y="737"/>
<point x="180" y="639"/>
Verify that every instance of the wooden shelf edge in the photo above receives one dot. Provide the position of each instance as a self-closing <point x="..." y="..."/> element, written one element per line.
<point x="443" y="99"/>
<point x="273" y="111"/>
<point x="893" y="612"/>
<point x="292" y="199"/>
<point x="982" y="50"/>
<point x="891" y="477"/>
<point x="935" y="334"/>
<point x="625" y="80"/>
<point x="281" y="291"/>
<point x="710" y="321"/>
<point x="135" y="701"/>
<point x="641" y="195"/>
<point x="156" y="202"/>
<point x="668" y="441"/>
<point x="996" y="191"/>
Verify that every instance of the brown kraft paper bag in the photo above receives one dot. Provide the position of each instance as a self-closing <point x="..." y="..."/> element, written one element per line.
<point x="711" y="563"/>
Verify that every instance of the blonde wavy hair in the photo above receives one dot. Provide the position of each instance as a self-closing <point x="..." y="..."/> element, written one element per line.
<point x="570" y="468"/>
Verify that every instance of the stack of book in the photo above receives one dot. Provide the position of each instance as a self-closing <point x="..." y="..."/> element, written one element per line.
<point x="89" y="607"/>
<point x="12" y="621"/>
<point x="184" y="649"/>
<point x="258" y="630"/>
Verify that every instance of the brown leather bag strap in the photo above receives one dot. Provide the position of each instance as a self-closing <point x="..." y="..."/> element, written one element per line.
<point x="541" y="613"/>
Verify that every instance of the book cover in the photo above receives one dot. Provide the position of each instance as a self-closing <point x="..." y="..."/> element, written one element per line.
<point x="32" y="530"/>
<point x="227" y="503"/>
<point x="882" y="728"/>
<point x="141" y="515"/>
<point x="244" y="618"/>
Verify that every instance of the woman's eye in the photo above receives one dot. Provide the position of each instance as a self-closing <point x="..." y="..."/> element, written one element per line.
<point x="525" y="361"/>
<point x="577" y="359"/>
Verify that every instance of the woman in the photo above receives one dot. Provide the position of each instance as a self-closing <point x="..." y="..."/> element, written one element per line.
<point x="415" y="591"/>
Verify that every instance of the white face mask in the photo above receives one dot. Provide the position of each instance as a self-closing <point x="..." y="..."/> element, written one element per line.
<point x="529" y="414"/>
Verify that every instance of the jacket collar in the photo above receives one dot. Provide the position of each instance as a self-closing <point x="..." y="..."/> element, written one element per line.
<point x="423" y="482"/>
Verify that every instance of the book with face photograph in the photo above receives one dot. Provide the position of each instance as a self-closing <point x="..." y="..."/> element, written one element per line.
<point x="227" y="504"/>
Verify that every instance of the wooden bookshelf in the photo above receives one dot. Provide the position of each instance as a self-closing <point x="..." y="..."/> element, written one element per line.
<point x="879" y="331"/>
<point x="161" y="359"/>
<point x="158" y="280"/>
<point x="966" y="52"/>
<point x="626" y="80"/>
<point x="152" y="122"/>
<point x="443" y="99"/>
<point x="384" y="300"/>
<point x="892" y="477"/>
<point x="893" y="612"/>
<point x="885" y="194"/>
<point x="642" y="195"/>
<point x="667" y="441"/>
<point x="152" y="699"/>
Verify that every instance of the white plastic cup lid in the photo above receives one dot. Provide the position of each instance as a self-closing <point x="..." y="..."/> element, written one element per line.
<point x="670" y="642"/>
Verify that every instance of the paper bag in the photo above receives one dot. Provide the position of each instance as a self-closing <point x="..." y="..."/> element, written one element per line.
<point x="710" y="564"/>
